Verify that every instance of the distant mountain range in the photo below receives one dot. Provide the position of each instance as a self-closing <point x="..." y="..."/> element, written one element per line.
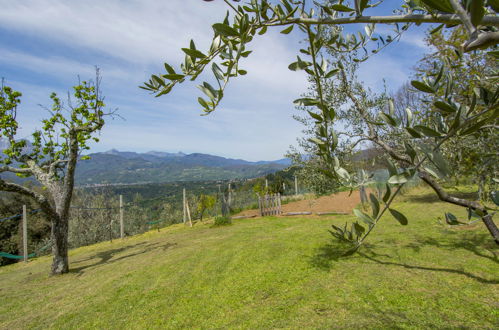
<point x="114" y="167"/>
<point x="125" y="167"/>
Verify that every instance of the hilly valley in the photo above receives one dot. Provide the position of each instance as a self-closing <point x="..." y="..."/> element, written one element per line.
<point x="125" y="167"/>
<point x="115" y="167"/>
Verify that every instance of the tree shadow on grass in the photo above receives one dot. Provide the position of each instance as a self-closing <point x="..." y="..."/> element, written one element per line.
<point x="480" y="244"/>
<point x="108" y="256"/>
<point x="326" y="256"/>
<point x="433" y="269"/>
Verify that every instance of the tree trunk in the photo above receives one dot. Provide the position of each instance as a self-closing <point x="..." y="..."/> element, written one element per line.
<point x="60" y="263"/>
<point x="444" y="196"/>
<point x="491" y="226"/>
<point x="482" y="195"/>
<point x="225" y="206"/>
<point x="60" y="230"/>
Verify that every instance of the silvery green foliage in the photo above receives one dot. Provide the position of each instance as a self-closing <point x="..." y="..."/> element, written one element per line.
<point x="421" y="153"/>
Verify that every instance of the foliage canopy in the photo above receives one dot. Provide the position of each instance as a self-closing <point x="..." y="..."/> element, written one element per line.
<point x="329" y="51"/>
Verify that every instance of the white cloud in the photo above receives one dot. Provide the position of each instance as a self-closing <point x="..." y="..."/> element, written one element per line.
<point x="236" y="133"/>
<point x="57" y="65"/>
<point x="129" y="39"/>
<point x="268" y="65"/>
<point x="142" y="31"/>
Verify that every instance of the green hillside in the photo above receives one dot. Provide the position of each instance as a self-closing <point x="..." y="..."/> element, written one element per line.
<point x="268" y="273"/>
<point x="120" y="167"/>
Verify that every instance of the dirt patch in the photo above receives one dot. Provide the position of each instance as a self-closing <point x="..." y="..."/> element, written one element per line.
<point x="339" y="202"/>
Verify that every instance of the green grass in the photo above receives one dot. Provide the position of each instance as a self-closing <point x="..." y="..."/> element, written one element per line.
<point x="268" y="273"/>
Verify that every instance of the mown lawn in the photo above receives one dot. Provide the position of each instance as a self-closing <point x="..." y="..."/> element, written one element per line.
<point x="268" y="273"/>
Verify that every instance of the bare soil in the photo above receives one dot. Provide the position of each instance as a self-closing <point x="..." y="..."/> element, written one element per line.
<point x="338" y="202"/>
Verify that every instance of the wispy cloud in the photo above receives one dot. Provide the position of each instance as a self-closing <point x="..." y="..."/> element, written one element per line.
<point x="47" y="43"/>
<point x="56" y="65"/>
<point x="135" y="31"/>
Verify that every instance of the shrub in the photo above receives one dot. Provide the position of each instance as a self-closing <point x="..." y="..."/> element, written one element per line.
<point x="222" y="221"/>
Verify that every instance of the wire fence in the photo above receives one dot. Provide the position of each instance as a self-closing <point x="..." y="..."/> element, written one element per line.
<point x="17" y="216"/>
<point x="94" y="218"/>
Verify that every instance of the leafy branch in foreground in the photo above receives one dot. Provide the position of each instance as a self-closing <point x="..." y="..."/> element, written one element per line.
<point x="229" y="43"/>
<point x="320" y="23"/>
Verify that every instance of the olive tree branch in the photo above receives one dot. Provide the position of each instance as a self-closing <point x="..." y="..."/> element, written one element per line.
<point x="491" y="20"/>
<point x="463" y="16"/>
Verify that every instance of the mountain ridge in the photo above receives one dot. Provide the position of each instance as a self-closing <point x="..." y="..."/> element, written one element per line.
<point x="128" y="167"/>
<point x="124" y="167"/>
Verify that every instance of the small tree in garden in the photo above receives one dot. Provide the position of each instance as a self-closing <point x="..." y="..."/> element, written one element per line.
<point x="260" y="189"/>
<point x="457" y="113"/>
<point x="53" y="154"/>
<point x="205" y="202"/>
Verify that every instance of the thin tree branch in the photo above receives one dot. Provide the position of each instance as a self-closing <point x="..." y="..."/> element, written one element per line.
<point x="465" y="19"/>
<point x="443" y="195"/>
<point x="491" y="20"/>
<point x="54" y="165"/>
<point x="15" y="170"/>
<point x="313" y="53"/>
<point x="483" y="40"/>
<point x="491" y="126"/>
<point x="373" y="136"/>
<point x="38" y="198"/>
<point x="231" y="6"/>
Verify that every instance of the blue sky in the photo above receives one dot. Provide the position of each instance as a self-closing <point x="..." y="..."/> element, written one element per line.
<point x="46" y="44"/>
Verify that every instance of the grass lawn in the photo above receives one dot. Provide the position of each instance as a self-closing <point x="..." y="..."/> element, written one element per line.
<point x="269" y="273"/>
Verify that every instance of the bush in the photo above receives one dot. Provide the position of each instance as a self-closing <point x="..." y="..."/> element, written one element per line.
<point x="222" y="221"/>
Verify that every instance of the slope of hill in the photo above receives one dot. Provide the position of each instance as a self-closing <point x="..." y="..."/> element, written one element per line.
<point x="273" y="272"/>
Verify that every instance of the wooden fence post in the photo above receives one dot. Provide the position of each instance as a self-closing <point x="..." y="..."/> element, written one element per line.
<point x="278" y="203"/>
<point x="266" y="183"/>
<point x="188" y="212"/>
<point x="122" y="224"/>
<point x="260" y="204"/>
<point x="183" y="202"/>
<point x="296" y="185"/>
<point x="25" y="234"/>
<point x="264" y="205"/>
<point x="270" y="204"/>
